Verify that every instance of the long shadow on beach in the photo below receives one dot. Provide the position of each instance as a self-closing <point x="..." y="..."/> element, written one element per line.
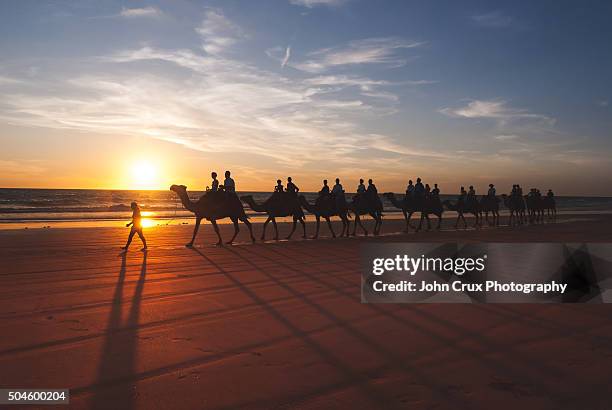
<point x="119" y="352"/>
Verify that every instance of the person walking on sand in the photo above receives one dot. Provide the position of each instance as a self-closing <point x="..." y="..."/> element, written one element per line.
<point x="136" y="227"/>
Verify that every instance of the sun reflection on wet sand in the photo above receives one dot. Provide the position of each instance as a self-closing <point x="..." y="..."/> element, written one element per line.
<point x="147" y="219"/>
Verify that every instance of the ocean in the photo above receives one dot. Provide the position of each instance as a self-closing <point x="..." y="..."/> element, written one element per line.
<point x="87" y="207"/>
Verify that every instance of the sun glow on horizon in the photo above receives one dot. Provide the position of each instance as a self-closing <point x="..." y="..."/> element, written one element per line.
<point x="144" y="175"/>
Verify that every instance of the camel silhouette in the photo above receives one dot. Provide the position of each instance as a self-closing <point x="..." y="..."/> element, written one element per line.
<point x="539" y="206"/>
<point x="490" y="204"/>
<point x="213" y="206"/>
<point x="278" y="205"/>
<point x="550" y="206"/>
<point x="325" y="207"/>
<point x="464" y="208"/>
<point x="408" y="205"/>
<point x="516" y="205"/>
<point x="362" y="205"/>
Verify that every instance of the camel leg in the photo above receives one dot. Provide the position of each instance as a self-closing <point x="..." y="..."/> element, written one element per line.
<point x="377" y="222"/>
<point x="439" y="222"/>
<point x="345" y="227"/>
<point x="303" y="227"/>
<point x="420" y="223"/>
<point x="236" y="230"/>
<point x="329" y="225"/>
<point x="358" y="221"/>
<point x="407" y="219"/>
<point x="428" y="222"/>
<point x="292" y="228"/>
<point x="195" y="232"/>
<point x="459" y="215"/>
<point x="248" y="224"/>
<point x="263" y="234"/>
<point x="214" y="224"/>
<point x="463" y="219"/>
<point x="275" y="228"/>
<point x="317" y="226"/>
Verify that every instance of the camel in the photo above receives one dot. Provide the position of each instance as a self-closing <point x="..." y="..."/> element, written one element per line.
<point x="516" y="205"/>
<point x="490" y="204"/>
<point x="360" y="205"/>
<point x="549" y="204"/>
<point x="464" y="208"/>
<point x="535" y="208"/>
<point x="278" y="205"/>
<point x="326" y="207"/>
<point x="430" y="205"/>
<point x="213" y="206"/>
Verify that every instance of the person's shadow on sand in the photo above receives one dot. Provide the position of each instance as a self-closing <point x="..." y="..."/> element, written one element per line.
<point x="114" y="386"/>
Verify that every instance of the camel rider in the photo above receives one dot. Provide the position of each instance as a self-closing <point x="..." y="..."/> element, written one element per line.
<point x="337" y="189"/>
<point x="372" y="192"/>
<point x="338" y="193"/>
<point x="435" y="191"/>
<point x="325" y="190"/>
<point x="419" y="189"/>
<point x="519" y="190"/>
<point x="291" y="187"/>
<point x="471" y="195"/>
<point x="410" y="189"/>
<point x="514" y="190"/>
<point x="427" y="191"/>
<point x="229" y="185"/>
<point x="491" y="191"/>
<point x="215" y="183"/>
<point x="550" y="194"/>
<point x="462" y="195"/>
<point x="279" y="187"/>
<point x="361" y="189"/>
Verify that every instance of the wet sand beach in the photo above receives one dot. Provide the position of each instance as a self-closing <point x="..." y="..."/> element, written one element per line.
<point x="280" y="325"/>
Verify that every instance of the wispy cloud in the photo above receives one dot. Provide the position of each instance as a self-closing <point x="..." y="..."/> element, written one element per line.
<point x="9" y="80"/>
<point x="367" y="51"/>
<point x="287" y="56"/>
<point x="313" y="3"/>
<point x="493" y="109"/>
<point x="493" y="19"/>
<point x="213" y="102"/>
<point x="151" y="12"/>
<point x="218" y="32"/>
<point x="506" y="137"/>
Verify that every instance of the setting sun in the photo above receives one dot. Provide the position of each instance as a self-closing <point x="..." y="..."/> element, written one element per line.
<point x="144" y="175"/>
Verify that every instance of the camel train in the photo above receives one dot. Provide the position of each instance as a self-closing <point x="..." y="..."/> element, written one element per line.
<point x="220" y="203"/>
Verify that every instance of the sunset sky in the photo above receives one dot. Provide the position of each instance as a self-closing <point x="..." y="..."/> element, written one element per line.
<point x="108" y="94"/>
